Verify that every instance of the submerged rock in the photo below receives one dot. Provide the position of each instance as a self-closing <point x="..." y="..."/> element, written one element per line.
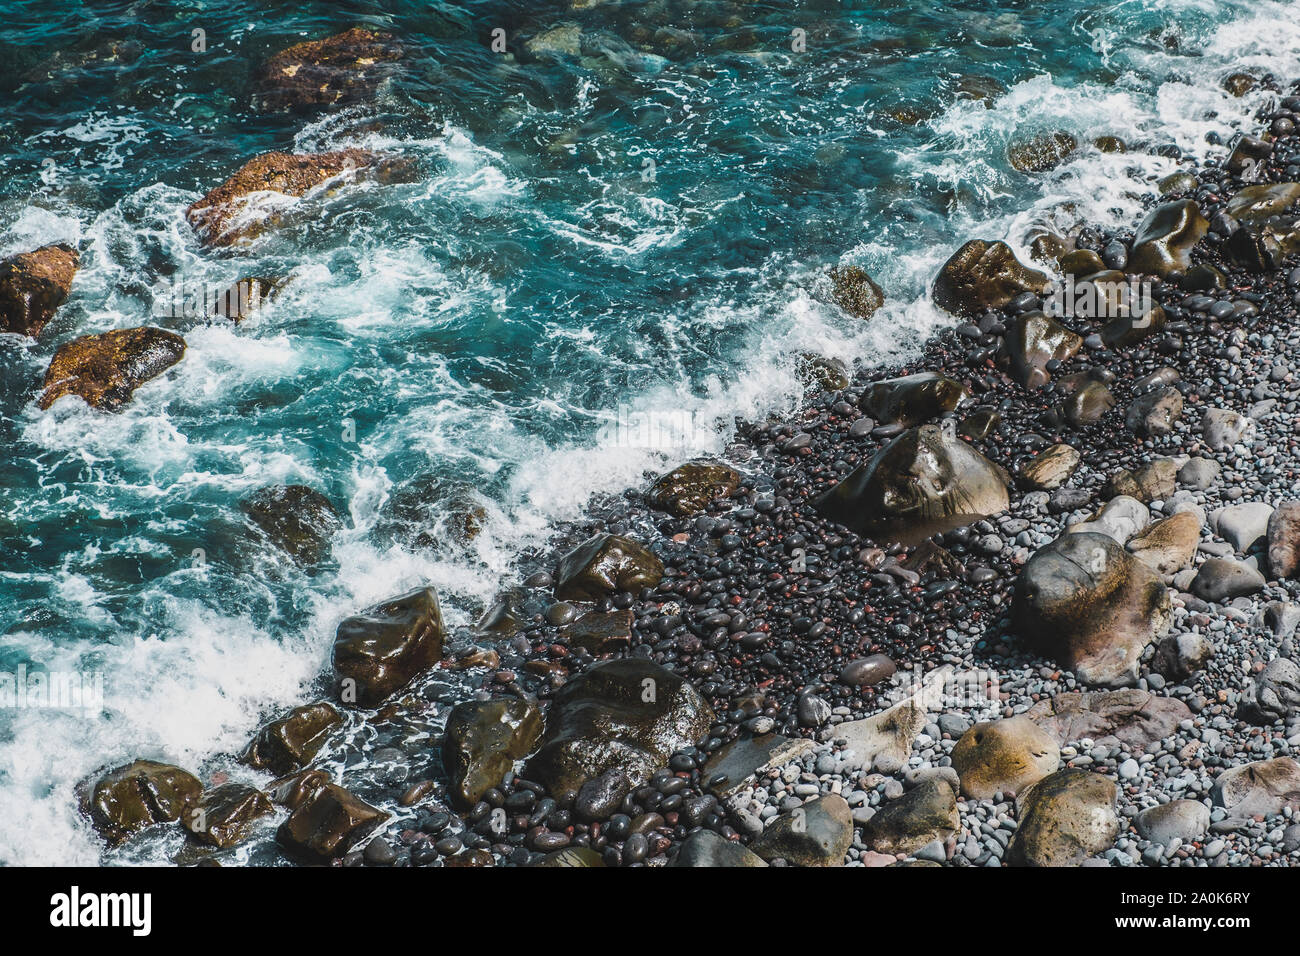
<point x="912" y="399"/>
<point x="923" y="482"/>
<point x="1089" y="603"/>
<point x="32" y="287"/>
<point x="286" y="745"/>
<point x="380" y="650"/>
<point x="982" y="275"/>
<point x="138" y="795"/>
<point x="105" y="369"/>
<point x="238" y="210"/>
<point x="629" y="715"/>
<point x="1165" y="238"/>
<point x="482" y="741"/>
<point x="1041" y="153"/>
<point x="1064" y="819"/>
<point x="297" y="519"/>
<point x="603" y="564"/>
<point x="338" y="69"/>
<point x="689" y="488"/>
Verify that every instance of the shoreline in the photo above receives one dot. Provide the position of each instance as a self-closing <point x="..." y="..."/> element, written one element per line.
<point x="777" y="617"/>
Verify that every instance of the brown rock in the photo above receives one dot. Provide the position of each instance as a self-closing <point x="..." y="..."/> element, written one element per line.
<point x="1154" y="481"/>
<point x="338" y="69"/>
<point x="1168" y="545"/>
<point x="603" y="564"/>
<point x="296" y="789"/>
<point x="1132" y="718"/>
<point x="227" y="215"/>
<point x="912" y="399"/>
<point x="105" y="369"/>
<point x="297" y="519"/>
<point x="855" y="292"/>
<point x="923" y="814"/>
<point x="1284" y="540"/>
<point x="1166" y="237"/>
<point x="32" y="287"/>
<point x="1051" y="469"/>
<point x="1262" y="788"/>
<point x="600" y="632"/>
<point x="1003" y="756"/>
<point x="1087" y="601"/>
<point x="982" y="275"/>
<point x="482" y="741"/>
<point x="1064" y="819"/>
<point x="139" y="795"/>
<point x="690" y="488"/>
<point x="328" y="824"/>
<point x="288" y="744"/>
<point x="223" y="817"/>
<point x="380" y="650"/>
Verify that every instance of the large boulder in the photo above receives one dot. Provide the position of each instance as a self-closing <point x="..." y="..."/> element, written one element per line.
<point x="1034" y="340"/>
<point x="138" y="795"/>
<point x="106" y="368"/>
<point x="1064" y="819"/>
<point x="239" y="209"/>
<point x="1003" y="756"/>
<point x="629" y="715"/>
<point x="1262" y="788"/>
<point x="1130" y="718"/>
<point x="1182" y="820"/>
<point x="295" y="518"/>
<point x="339" y="69"/>
<point x="223" y="817"/>
<point x="287" y="745"/>
<point x="926" y="813"/>
<point x="912" y="399"/>
<point x="983" y="275"/>
<point x="1274" y="694"/>
<point x="380" y="650"/>
<point x="482" y="741"/>
<point x="1165" y="238"/>
<point x="923" y="482"/>
<point x="689" y="488"/>
<point x="816" y="834"/>
<point x="603" y="564"/>
<point x="32" y="287"/>
<point x="327" y="824"/>
<point x="1086" y="601"/>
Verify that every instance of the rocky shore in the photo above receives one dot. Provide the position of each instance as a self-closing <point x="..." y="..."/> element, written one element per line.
<point x="1029" y="600"/>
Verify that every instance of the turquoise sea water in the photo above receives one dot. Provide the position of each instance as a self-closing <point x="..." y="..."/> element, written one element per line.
<point x="591" y="244"/>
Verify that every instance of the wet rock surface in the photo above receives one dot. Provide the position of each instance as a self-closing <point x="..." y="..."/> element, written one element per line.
<point x="105" y="369"/>
<point x="32" y="287"/>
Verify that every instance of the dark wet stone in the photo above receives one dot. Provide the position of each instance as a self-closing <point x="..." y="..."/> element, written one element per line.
<point x="297" y="519"/>
<point x="139" y="795"/>
<point x="629" y="714"/>
<point x="482" y="741"/>
<point x="689" y="488"/>
<point x="1041" y="153"/>
<point x="600" y="632"/>
<point x="855" y="292"/>
<point x="336" y="70"/>
<point x="286" y="745"/>
<point x="327" y="825"/>
<point x="380" y="650"/>
<point x="923" y="482"/>
<point x="1166" y="237"/>
<point x="704" y="848"/>
<point x="912" y="399"/>
<point x="867" y="671"/>
<point x="604" y="564"/>
<point x="1035" y="340"/>
<point x="982" y="275"/>
<point x="223" y="817"/>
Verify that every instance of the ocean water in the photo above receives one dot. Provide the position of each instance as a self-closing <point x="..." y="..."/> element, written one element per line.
<point x="602" y="263"/>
